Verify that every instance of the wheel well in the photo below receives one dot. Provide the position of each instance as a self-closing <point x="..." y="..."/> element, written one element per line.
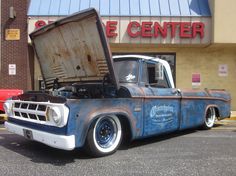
<point x="217" y="112"/>
<point x="126" y="129"/>
<point x="125" y="125"/>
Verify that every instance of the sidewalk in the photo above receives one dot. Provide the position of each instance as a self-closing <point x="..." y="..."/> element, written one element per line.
<point x="233" y="116"/>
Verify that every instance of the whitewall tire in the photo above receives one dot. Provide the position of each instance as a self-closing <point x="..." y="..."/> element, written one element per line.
<point x="104" y="136"/>
<point x="210" y="118"/>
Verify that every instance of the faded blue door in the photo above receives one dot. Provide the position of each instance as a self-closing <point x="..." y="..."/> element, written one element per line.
<point x="161" y="102"/>
<point x="161" y="111"/>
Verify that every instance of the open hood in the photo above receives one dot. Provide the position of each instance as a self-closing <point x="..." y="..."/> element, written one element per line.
<point x="74" y="49"/>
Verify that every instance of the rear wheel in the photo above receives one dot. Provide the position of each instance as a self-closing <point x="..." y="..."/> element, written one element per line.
<point x="104" y="136"/>
<point x="210" y="118"/>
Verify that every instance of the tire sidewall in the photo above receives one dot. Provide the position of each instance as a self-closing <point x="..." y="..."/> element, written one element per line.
<point x="93" y="148"/>
<point x="213" y="116"/>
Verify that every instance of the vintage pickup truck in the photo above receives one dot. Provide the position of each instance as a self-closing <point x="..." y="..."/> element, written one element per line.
<point x="95" y="101"/>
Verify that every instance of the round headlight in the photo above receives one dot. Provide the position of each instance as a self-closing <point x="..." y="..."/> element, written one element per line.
<point x="7" y="107"/>
<point x="55" y="114"/>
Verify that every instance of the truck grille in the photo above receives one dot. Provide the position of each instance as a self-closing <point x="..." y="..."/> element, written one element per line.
<point x="32" y="111"/>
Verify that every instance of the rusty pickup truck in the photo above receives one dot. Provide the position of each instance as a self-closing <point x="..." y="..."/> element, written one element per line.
<point x="96" y="101"/>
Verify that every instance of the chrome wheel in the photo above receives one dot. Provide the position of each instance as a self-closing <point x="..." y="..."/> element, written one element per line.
<point x="210" y="118"/>
<point x="104" y="136"/>
<point x="107" y="133"/>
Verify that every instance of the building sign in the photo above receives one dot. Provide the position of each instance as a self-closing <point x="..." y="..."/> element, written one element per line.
<point x="155" y="29"/>
<point x="223" y="70"/>
<point x="12" y="34"/>
<point x="12" y="69"/>
<point x="151" y="30"/>
<point x="196" y="80"/>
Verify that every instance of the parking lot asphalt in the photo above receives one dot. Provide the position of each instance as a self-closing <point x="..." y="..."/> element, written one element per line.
<point x="191" y="152"/>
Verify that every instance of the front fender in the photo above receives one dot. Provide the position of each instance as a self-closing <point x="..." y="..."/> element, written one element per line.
<point x="92" y="118"/>
<point x="84" y="113"/>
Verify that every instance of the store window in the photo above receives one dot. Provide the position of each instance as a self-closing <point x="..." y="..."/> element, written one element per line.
<point x="169" y="57"/>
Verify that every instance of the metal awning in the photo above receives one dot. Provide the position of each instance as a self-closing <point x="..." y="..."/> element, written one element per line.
<point x="177" y="8"/>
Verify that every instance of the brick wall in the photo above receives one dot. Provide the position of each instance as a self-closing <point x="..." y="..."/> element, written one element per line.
<point x="14" y="52"/>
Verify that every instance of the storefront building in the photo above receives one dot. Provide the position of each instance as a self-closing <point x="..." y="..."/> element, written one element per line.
<point x="194" y="36"/>
<point x="14" y="65"/>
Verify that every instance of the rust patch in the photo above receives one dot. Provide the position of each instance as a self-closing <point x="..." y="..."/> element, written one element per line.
<point x="78" y="67"/>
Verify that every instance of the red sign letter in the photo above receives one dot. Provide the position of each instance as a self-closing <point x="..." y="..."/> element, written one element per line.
<point x="146" y="29"/>
<point x="185" y="28"/>
<point x="173" y="26"/>
<point x="198" y="27"/>
<point x="39" y="24"/>
<point x="111" y="29"/>
<point x="162" y="30"/>
<point x="136" y="25"/>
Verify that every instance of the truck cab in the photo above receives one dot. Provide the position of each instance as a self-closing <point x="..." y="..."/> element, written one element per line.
<point x="144" y="70"/>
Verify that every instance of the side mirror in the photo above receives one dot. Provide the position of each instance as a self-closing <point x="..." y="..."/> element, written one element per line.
<point x="159" y="71"/>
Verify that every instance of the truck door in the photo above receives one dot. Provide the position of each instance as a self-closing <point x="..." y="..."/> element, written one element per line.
<point x="161" y="102"/>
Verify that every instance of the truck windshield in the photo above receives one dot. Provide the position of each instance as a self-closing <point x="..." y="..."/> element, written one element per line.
<point x="127" y="71"/>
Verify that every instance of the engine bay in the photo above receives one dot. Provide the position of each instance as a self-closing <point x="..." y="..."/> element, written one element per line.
<point x="85" y="91"/>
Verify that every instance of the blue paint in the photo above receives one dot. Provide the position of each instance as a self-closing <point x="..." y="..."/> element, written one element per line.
<point x="204" y="8"/>
<point x="155" y="8"/>
<point x="64" y="7"/>
<point x="114" y="8"/>
<point x="173" y="8"/>
<point x="165" y="8"/>
<point x="124" y="8"/>
<point x="105" y="7"/>
<point x="44" y="7"/>
<point x="145" y="7"/>
<point x="157" y="115"/>
<point x="95" y="4"/>
<point x="81" y="117"/>
<point x="53" y="9"/>
<point x="170" y="8"/>
<point x="134" y="7"/>
<point x="74" y="6"/>
<point x="194" y="7"/>
<point x="105" y="132"/>
<point x="34" y="7"/>
<point x="184" y="8"/>
<point x="84" y="4"/>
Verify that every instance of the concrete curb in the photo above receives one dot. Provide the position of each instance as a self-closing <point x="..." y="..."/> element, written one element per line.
<point x="233" y="116"/>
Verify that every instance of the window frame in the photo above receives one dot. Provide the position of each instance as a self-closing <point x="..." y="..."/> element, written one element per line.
<point x="156" y="54"/>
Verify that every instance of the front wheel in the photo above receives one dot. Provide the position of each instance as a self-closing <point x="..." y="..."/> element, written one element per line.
<point x="210" y="118"/>
<point x="104" y="136"/>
